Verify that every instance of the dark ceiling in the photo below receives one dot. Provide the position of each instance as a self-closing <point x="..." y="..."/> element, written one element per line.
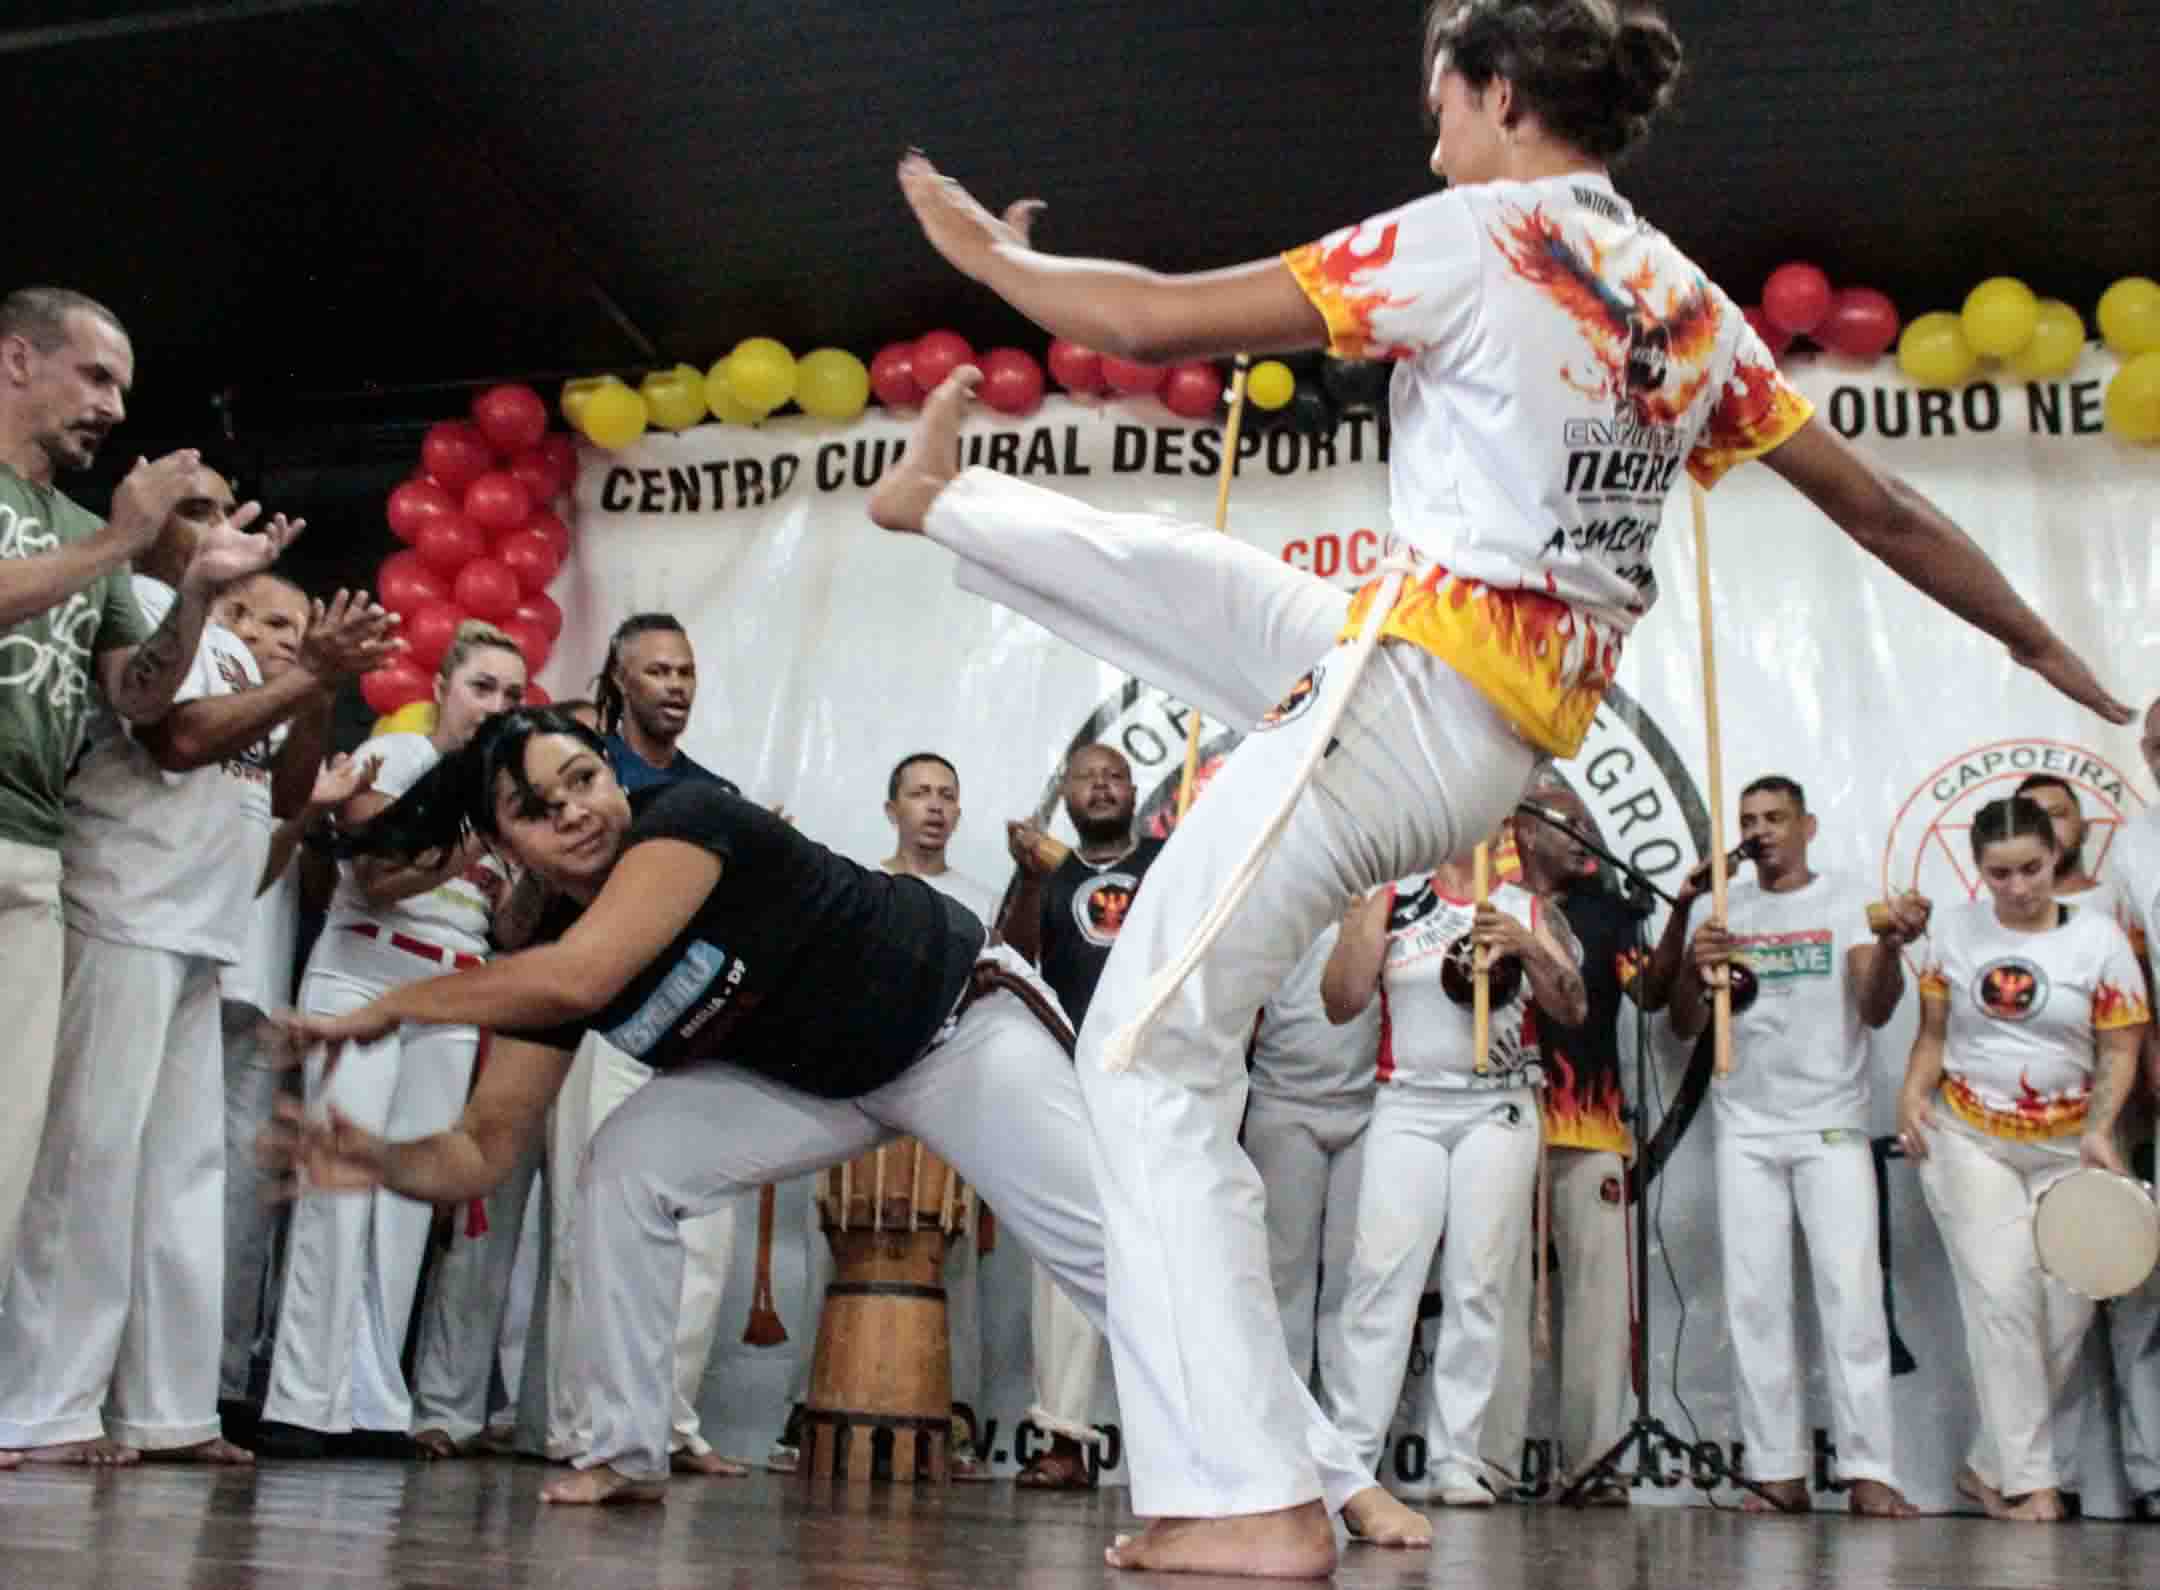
<point x="293" y="199"/>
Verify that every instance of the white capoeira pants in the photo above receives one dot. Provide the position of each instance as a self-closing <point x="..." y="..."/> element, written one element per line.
<point x="1067" y="1348"/>
<point x="253" y="1079"/>
<point x="1764" y="1182"/>
<point x="352" y="1265"/>
<point x="1459" y="1165"/>
<point x="1420" y="769"/>
<point x="32" y="948"/>
<point x="997" y="1099"/>
<point x="601" y="1080"/>
<point x="469" y="1298"/>
<point x="2134" y="1344"/>
<point x="2023" y="1329"/>
<point x="1590" y="1241"/>
<point x="1310" y="1154"/>
<point x="115" y="1308"/>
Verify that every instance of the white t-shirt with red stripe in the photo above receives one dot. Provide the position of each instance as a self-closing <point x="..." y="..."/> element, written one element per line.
<point x="1427" y="1040"/>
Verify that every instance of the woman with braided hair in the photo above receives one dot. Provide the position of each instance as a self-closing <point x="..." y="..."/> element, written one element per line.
<point x="799" y="1008"/>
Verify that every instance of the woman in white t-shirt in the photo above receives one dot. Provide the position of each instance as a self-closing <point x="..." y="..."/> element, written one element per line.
<point x="1452" y="1151"/>
<point x="2030" y="1018"/>
<point x="353" y="1265"/>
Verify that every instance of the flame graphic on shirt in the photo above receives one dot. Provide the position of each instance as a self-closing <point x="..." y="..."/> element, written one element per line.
<point x="1333" y="274"/>
<point x="1592" y="1118"/>
<point x="2032" y="1117"/>
<point x="1758" y="411"/>
<point x="1639" y="348"/>
<point x="2118" y="1007"/>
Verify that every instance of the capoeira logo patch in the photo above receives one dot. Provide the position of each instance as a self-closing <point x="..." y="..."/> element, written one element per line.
<point x="1292" y="707"/>
<point x="1930" y="842"/>
<point x="2011" y="989"/>
<point x="1099" y="909"/>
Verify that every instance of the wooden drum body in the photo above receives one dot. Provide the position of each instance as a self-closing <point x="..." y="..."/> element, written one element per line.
<point x="881" y="1374"/>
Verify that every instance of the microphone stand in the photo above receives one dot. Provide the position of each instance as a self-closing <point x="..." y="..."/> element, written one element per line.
<point x="1634" y="1458"/>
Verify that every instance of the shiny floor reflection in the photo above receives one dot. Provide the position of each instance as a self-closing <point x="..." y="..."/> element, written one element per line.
<point x="466" y="1526"/>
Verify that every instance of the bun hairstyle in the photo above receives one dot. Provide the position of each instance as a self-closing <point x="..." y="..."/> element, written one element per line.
<point x="456" y="797"/>
<point x="1593" y="73"/>
<point x="2013" y="817"/>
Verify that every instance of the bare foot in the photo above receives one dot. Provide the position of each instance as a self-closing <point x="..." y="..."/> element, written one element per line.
<point x="10" y="1460"/>
<point x="1975" y="1489"/>
<point x="103" y="1453"/>
<point x="436" y="1445"/>
<point x="217" y="1450"/>
<point x="1378" y="1519"/>
<point x="1874" y="1499"/>
<point x="593" y="1487"/>
<point x="2037" y="1507"/>
<point x="711" y="1463"/>
<point x="1778" y="1496"/>
<point x="1294" y="1543"/>
<point x="902" y="499"/>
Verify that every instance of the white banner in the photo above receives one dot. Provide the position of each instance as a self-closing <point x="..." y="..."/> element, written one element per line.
<point x="828" y="650"/>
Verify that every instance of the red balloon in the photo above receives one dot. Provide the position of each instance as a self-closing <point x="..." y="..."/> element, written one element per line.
<point x="394" y="685"/>
<point x="892" y="376"/>
<point x="530" y="556"/>
<point x="533" y="642"/>
<point x="1130" y="376"/>
<point x="404" y="582"/>
<point x="512" y="418"/>
<point x="1078" y="370"/>
<point x="1012" y="382"/>
<point x="540" y="610"/>
<point x="486" y="590"/>
<point x="560" y="450"/>
<point x="414" y="504"/>
<point x="496" y="502"/>
<point x="1861" y="324"/>
<point x="555" y="530"/>
<point x="429" y="629"/>
<point x="937" y="355"/>
<point x="535" y="471"/>
<point x="449" y="543"/>
<point x="1796" y="297"/>
<point x="535" y="696"/>
<point x="1777" y="339"/>
<point x="456" y="455"/>
<point x="1192" y="390"/>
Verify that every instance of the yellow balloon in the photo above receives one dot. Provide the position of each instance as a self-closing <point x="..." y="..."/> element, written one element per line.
<point x="1999" y="316"/>
<point x="832" y="384"/>
<point x="2058" y="339"/>
<point x="2130" y="316"/>
<point x="415" y="717"/>
<point x="614" y="416"/>
<point x="761" y="373"/>
<point x="720" y="397"/>
<point x="575" y="393"/>
<point x="1934" y="352"/>
<point x="2132" y="399"/>
<point x="674" y="399"/>
<point x="1270" y="384"/>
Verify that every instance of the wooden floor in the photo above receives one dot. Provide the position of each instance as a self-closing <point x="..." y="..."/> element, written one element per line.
<point x="474" y="1526"/>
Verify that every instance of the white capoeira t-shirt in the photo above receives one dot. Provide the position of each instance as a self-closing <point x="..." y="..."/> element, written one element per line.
<point x="1427" y="1040"/>
<point x="1297" y="1053"/>
<point x="454" y="915"/>
<point x="263" y="975"/>
<point x="2025" y="1009"/>
<point x="1558" y="361"/>
<point x="169" y="861"/>
<point x="1800" y="1052"/>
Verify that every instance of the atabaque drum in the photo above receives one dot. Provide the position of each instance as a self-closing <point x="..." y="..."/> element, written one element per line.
<point x="881" y="1375"/>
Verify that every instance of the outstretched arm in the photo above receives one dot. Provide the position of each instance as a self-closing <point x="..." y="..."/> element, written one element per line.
<point x="1106" y="305"/>
<point x="1923" y="547"/>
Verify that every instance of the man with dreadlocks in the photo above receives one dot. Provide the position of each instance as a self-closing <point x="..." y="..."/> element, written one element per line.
<point x="645" y="692"/>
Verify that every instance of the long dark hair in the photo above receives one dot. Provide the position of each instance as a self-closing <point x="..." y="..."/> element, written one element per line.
<point x="1593" y="72"/>
<point x="607" y="693"/>
<point x="2010" y="818"/>
<point x="456" y="797"/>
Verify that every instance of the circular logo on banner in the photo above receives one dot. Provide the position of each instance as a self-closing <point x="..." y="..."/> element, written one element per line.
<point x="1930" y="843"/>
<point x="1099" y="908"/>
<point x="2011" y="989"/>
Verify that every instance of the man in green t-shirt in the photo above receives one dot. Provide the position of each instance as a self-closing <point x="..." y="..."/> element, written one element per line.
<point x="67" y="616"/>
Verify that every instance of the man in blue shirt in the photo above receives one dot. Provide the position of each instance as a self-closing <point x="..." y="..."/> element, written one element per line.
<point x="645" y="693"/>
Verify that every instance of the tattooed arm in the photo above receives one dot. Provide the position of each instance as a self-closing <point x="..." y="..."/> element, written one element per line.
<point x="2115" y="1055"/>
<point x="518" y="917"/>
<point x="139" y="681"/>
<point x="1554" y="966"/>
